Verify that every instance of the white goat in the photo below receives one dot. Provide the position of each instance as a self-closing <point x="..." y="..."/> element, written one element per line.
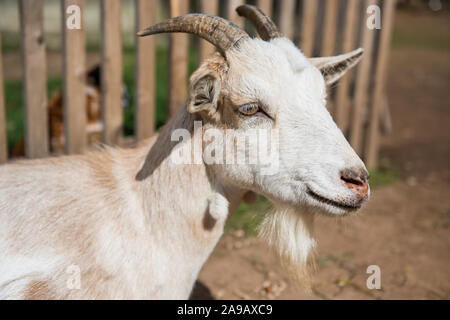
<point x="134" y="224"/>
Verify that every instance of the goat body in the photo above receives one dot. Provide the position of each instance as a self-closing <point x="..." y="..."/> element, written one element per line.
<point x="133" y="224"/>
<point x="136" y="224"/>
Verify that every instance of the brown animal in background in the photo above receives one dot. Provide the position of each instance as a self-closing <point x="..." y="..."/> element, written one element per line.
<point x="55" y="109"/>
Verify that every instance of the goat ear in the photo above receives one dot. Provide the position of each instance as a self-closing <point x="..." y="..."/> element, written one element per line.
<point x="204" y="92"/>
<point x="333" y="68"/>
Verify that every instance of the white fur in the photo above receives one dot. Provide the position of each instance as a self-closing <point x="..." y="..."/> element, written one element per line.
<point x="139" y="226"/>
<point x="290" y="234"/>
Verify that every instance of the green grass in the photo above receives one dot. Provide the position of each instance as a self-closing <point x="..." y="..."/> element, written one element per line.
<point x="385" y="175"/>
<point x="161" y="88"/>
<point x="248" y="217"/>
<point x="14" y="107"/>
<point x="14" y="111"/>
<point x="10" y="41"/>
<point x="420" y="39"/>
<point x="421" y="31"/>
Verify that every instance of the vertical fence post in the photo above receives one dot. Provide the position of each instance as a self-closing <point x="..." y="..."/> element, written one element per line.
<point x="205" y="48"/>
<point x="74" y="74"/>
<point x="3" y="141"/>
<point x="232" y="15"/>
<point x="362" y="84"/>
<point x="179" y="46"/>
<point x="329" y="28"/>
<point x="308" y="26"/>
<point x="372" y="143"/>
<point x="342" y="94"/>
<point x="144" y="116"/>
<point x="111" y="71"/>
<point x="34" y="78"/>
<point x="287" y="16"/>
<point x="266" y="6"/>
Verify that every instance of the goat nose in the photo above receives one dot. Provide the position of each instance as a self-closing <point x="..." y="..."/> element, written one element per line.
<point x="356" y="180"/>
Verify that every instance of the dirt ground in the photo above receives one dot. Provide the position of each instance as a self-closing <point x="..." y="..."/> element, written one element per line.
<point x="404" y="229"/>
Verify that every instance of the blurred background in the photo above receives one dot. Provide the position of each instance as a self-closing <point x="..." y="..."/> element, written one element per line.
<point x="405" y="227"/>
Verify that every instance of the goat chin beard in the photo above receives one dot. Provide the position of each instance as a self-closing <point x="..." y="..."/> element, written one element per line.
<point x="289" y="233"/>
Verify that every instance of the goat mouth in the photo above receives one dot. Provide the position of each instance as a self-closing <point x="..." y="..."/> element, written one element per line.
<point x="340" y="205"/>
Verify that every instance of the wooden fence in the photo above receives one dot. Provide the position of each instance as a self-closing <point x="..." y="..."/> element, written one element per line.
<point x="318" y="27"/>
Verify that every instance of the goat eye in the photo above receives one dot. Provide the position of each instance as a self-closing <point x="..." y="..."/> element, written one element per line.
<point x="249" y="109"/>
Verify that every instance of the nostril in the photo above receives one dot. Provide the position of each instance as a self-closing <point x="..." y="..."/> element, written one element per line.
<point x="356" y="180"/>
<point x="352" y="181"/>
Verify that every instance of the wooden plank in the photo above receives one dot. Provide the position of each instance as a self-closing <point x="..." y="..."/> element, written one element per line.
<point x="232" y="14"/>
<point x="3" y="140"/>
<point x="329" y="28"/>
<point x="74" y="76"/>
<point x="265" y="6"/>
<point x="287" y="15"/>
<point x="342" y="94"/>
<point x="362" y="85"/>
<point x="111" y="71"/>
<point x="372" y="144"/>
<point x="308" y="26"/>
<point x="34" y="78"/>
<point x="205" y="48"/>
<point x="385" y="117"/>
<point x="144" y="117"/>
<point x="179" y="50"/>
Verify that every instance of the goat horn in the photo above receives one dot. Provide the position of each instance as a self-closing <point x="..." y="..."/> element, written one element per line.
<point x="264" y="25"/>
<point x="220" y="32"/>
